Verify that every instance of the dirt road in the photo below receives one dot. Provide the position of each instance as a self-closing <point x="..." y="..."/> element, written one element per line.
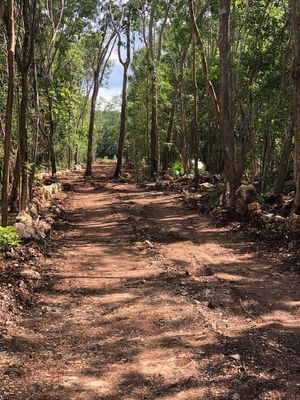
<point x="151" y="301"/>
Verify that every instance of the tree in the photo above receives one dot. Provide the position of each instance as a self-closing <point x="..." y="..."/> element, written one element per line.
<point x="125" y="63"/>
<point x="154" y="52"/>
<point x="295" y="13"/>
<point x="226" y="112"/>
<point x="9" y="108"/>
<point x="24" y="61"/>
<point x="104" y="48"/>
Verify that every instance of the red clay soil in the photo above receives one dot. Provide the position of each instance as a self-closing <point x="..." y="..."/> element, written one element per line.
<point x="149" y="300"/>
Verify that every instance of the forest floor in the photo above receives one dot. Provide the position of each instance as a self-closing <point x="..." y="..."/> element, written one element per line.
<point x="151" y="300"/>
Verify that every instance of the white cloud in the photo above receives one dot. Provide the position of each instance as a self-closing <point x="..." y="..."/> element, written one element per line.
<point x="106" y="95"/>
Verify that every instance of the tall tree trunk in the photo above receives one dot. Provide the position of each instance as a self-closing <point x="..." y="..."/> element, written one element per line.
<point x="23" y="146"/>
<point x="36" y="128"/>
<point x="208" y="84"/>
<point x="9" y="110"/>
<point x="25" y="59"/>
<point x="105" y="50"/>
<point x="14" y="194"/>
<point x="295" y="12"/>
<point x="184" y="133"/>
<point x="154" y="144"/>
<point x="226" y="125"/>
<point x="50" y="138"/>
<point x="166" y="154"/>
<point x="177" y="90"/>
<point x="154" y="51"/>
<point x="122" y="125"/>
<point x="266" y="160"/>
<point x="125" y="64"/>
<point x="89" y="161"/>
<point x="284" y="161"/>
<point x="195" y="119"/>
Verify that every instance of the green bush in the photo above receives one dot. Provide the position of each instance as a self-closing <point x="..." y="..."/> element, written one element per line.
<point x="8" y="238"/>
<point x="177" y="169"/>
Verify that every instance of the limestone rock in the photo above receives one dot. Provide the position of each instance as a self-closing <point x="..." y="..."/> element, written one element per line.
<point x="23" y="231"/>
<point x="245" y="195"/>
<point x="36" y="202"/>
<point x="279" y="220"/>
<point x="41" y="228"/>
<point x="206" y="185"/>
<point x="294" y="222"/>
<point x="267" y="218"/>
<point x="29" y="274"/>
<point x="25" y="226"/>
<point x="33" y="210"/>
<point x="28" y="228"/>
<point x="254" y="210"/>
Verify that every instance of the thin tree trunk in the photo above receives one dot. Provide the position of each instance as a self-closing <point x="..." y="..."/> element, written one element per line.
<point x="176" y="90"/>
<point x="154" y="51"/>
<point x="14" y="194"/>
<point x="226" y="125"/>
<point x="102" y="60"/>
<point x="154" y="144"/>
<point x="195" y="119"/>
<point x="166" y="154"/>
<point x="89" y="161"/>
<point x="284" y="161"/>
<point x="36" y="133"/>
<point x="125" y="64"/>
<point x="295" y="12"/>
<point x="209" y="86"/>
<point x="2" y="9"/>
<point x="266" y="163"/>
<point x="24" y="142"/>
<point x="184" y="133"/>
<point x="122" y="125"/>
<point x="9" y="111"/>
<point x="24" y="61"/>
<point x="52" y="156"/>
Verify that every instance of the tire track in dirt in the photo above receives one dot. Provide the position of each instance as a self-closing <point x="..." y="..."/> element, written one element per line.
<point x="153" y="302"/>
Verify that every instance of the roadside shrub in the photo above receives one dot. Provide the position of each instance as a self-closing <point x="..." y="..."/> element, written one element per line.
<point x="8" y="238"/>
<point x="177" y="169"/>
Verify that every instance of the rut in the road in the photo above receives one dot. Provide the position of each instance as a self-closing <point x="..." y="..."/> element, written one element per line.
<point x="153" y="302"/>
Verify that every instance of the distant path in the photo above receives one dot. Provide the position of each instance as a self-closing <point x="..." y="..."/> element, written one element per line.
<point x="156" y="303"/>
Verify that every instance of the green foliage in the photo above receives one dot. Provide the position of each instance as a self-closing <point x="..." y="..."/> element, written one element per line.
<point x="8" y="238"/>
<point x="177" y="169"/>
<point x="107" y="131"/>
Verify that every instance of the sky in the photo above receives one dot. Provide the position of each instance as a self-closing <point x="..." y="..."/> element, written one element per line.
<point x="113" y="85"/>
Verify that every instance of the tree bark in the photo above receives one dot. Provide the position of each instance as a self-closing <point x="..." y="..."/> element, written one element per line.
<point x="23" y="146"/>
<point x="102" y="60"/>
<point x="226" y="125"/>
<point x="195" y="119"/>
<point x="9" y="111"/>
<point x="36" y="129"/>
<point x="25" y="59"/>
<point x="122" y="135"/>
<point x="89" y="161"/>
<point x="125" y="64"/>
<point x="166" y="153"/>
<point x="154" y="56"/>
<point x="154" y="143"/>
<point x="284" y="161"/>
<point x="13" y="200"/>
<point x="208" y="84"/>
<point x="295" y="12"/>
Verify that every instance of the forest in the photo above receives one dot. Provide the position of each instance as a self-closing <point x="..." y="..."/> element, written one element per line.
<point x="198" y="89"/>
<point x="172" y="207"/>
